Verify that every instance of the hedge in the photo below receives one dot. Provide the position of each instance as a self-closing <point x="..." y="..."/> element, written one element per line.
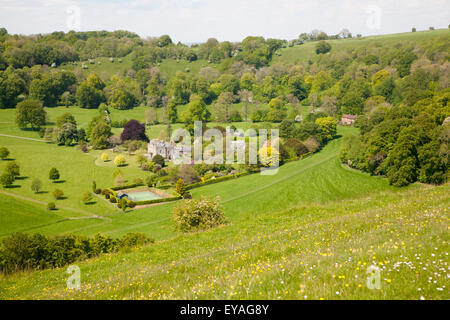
<point x="130" y="186"/>
<point x="140" y="203"/>
<point x="299" y="158"/>
<point x="216" y="180"/>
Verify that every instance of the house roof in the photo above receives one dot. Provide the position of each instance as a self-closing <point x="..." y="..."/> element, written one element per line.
<point x="350" y="116"/>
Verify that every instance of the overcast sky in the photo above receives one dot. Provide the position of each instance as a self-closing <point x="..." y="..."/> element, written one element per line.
<point x="197" y="20"/>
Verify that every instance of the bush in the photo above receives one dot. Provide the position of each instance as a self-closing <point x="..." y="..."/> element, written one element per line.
<point x="98" y="191"/>
<point x="51" y="206"/>
<point x="4" y="152"/>
<point x="132" y="240"/>
<point x="53" y="174"/>
<point x="120" y="161"/>
<point x="113" y="199"/>
<point x="323" y="47"/>
<point x="158" y="159"/>
<point x="36" y="185"/>
<point x="312" y="144"/>
<point x="180" y="187"/>
<point x="196" y="215"/>
<point x="187" y="195"/>
<point x="7" y="179"/>
<point x="104" y="157"/>
<point x="58" y="194"/>
<point x="13" y="168"/>
<point x="86" y="197"/>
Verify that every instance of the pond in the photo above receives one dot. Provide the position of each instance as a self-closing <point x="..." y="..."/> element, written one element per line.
<point x="142" y="196"/>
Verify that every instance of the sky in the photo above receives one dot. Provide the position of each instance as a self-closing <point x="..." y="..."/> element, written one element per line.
<point x="191" y="21"/>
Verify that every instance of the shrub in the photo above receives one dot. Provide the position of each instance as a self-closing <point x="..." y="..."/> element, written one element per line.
<point x="297" y="146"/>
<point x="84" y="148"/>
<point x="120" y="161"/>
<point x="7" y="179"/>
<point x="180" y="187"/>
<point x="104" y="157"/>
<point x="123" y="204"/>
<point x="131" y="240"/>
<point x="4" y="152"/>
<point x="131" y="204"/>
<point x="196" y="215"/>
<point x="312" y="144"/>
<point x="58" y="194"/>
<point x="141" y="160"/>
<point x="113" y="199"/>
<point x="98" y="191"/>
<point x="158" y="159"/>
<point x="53" y="174"/>
<point x="151" y="180"/>
<point x="86" y="197"/>
<point x="323" y="47"/>
<point x="133" y="146"/>
<point x="13" y="168"/>
<point x="51" y="206"/>
<point x="36" y="185"/>
<point x="187" y="195"/>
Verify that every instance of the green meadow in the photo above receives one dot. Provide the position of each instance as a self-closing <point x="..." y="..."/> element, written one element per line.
<point x="306" y="51"/>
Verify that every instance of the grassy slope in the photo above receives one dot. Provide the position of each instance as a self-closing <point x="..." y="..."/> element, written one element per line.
<point x="317" y="179"/>
<point x="309" y="251"/>
<point x="306" y="51"/>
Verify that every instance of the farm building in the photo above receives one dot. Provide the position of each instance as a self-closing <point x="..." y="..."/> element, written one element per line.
<point x="348" y="119"/>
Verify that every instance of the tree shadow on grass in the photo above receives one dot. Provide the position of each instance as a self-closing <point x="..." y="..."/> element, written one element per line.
<point x="62" y="198"/>
<point x="22" y="178"/>
<point x="59" y="181"/>
<point x="8" y="159"/>
<point x="90" y="203"/>
<point x="30" y="129"/>
<point x="13" y="186"/>
<point x="41" y="192"/>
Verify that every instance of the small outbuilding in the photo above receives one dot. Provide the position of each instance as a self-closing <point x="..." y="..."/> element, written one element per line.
<point x="348" y="119"/>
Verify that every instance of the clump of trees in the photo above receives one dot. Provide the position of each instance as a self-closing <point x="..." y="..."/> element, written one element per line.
<point x="10" y="174"/>
<point x="406" y="144"/>
<point x="21" y="251"/>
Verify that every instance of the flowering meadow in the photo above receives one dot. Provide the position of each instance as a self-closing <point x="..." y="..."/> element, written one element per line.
<point x="305" y="252"/>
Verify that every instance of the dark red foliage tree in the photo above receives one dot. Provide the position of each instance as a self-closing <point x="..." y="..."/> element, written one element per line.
<point x="134" y="130"/>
